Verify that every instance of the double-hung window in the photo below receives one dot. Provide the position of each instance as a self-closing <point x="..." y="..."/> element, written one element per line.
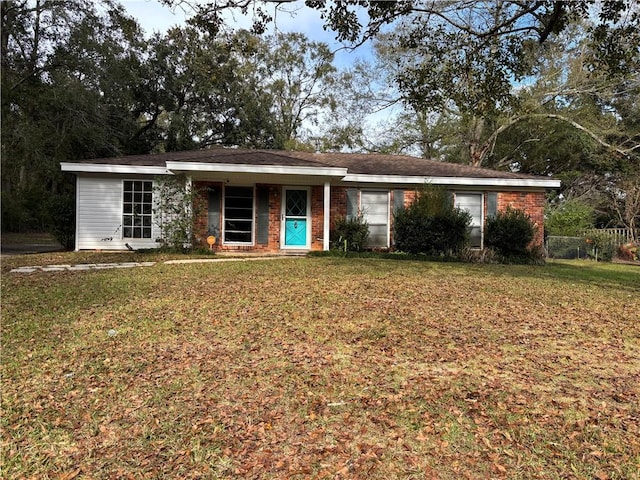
<point x="472" y="203"/>
<point x="238" y="215"/>
<point x="373" y="205"/>
<point x="137" y="208"/>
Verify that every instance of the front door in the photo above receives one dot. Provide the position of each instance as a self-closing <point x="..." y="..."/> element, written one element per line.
<point x="295" y="218"/>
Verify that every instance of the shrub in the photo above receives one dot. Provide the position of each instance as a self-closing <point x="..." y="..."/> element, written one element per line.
<point x="475" y="255"/>
<point x="177" y="206"/>
<point x="603" y="246"/>
<point x="510" y="232"/>
<point x="350" y="235"/>
<point x="431" y="224"/>
<point x="569" y="219"/>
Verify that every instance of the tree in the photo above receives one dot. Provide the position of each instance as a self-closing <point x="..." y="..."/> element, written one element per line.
<point x="66" y="72"/>
<point x="569" y="218"/>
<point x="300" y="77"/>
<point x="625" y="202"/>
<point x="203" y="92"/>
<point x="465" y="55"/>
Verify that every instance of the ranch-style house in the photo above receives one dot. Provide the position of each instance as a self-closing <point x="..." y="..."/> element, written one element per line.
<point x="280" y="201"/>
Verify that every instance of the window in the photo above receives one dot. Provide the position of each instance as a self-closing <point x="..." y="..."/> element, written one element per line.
<point x="137" y="208"/>
<point x="472" y="203"/>
<point x="238" y="214"/>
<point x="375" y="211"/>
<point x="374" y="207"/>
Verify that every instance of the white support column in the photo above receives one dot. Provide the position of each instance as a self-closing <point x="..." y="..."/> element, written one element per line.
<point x="327" y="210"/>
<point x="188" y="188"/>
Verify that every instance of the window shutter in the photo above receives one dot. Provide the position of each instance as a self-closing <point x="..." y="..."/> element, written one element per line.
<point x="492" y="204"/>
<point x="398" y="200"/>
<point x="352" y="203"/>
<point x="213" y="221"/>
<point x="262" y="228"/>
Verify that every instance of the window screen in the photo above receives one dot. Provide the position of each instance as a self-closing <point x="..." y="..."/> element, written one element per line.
<point x="238" y="214"/>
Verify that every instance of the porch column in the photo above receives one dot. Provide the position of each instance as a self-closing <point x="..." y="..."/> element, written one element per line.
<point x="327" y="210"/>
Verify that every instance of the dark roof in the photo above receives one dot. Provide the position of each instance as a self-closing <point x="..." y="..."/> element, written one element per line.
<point x="356" y="163"/>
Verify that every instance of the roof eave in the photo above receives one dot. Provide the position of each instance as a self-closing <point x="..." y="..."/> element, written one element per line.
<point x="257" y="169"/>
<point x="108" y="168"/>
<point x="461" y="181"/>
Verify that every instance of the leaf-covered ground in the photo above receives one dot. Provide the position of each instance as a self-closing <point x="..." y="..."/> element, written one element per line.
<point x="323" y="368"/>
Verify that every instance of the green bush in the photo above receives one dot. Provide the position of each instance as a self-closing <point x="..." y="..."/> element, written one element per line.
<point x="431" y="225"/>
<point x="510" y="232"/>
<point x="603" y="246"/>
<point x="350" y="235"/>
<point x="569" y="219"/>
<point x="177" y="206"/>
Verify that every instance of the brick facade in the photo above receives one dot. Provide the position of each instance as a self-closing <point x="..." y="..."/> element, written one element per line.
<point x="530" y="202"/>
<point x="275" y="211"/>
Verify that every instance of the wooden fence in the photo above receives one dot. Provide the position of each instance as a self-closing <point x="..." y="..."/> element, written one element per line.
<point x="618" y="236"/>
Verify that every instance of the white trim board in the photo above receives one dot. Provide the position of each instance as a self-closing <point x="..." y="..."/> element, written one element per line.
<point x="461" y="181"/>
<point x="105" y="168"/>
<point x="261" y="169"/>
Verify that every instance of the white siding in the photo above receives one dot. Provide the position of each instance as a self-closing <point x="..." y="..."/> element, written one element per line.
<point x="99" y="215"/>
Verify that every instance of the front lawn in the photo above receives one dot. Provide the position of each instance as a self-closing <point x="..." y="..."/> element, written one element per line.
<point x="322" y="368"/>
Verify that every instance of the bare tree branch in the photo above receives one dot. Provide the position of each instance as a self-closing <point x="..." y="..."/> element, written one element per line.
<point x="486" y="146"/>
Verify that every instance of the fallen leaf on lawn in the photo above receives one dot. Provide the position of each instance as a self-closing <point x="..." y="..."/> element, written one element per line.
<point x="69" y="475"/>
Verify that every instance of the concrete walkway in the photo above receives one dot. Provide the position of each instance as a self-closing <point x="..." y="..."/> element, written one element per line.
<point x="79" y="267"/>
<point x="103" y="266"/>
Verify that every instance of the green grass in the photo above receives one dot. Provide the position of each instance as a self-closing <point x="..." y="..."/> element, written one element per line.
<point x="321" y="368"/>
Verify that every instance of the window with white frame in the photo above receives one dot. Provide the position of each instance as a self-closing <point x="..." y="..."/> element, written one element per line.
<point x="238" y="214"/>
<point x="472" y="203"/>
<point x="373" y="205"/>
<point x="137" y="208"/>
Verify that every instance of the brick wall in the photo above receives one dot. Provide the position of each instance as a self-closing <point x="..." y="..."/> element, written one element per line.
<point x="338" y="207"/>
<point x="317" y="217"/>
<point x="532" y="203"/>
<point x="275" y="199"/>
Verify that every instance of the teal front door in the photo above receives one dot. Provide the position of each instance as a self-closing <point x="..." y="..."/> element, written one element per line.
<point x="296" y="218"/>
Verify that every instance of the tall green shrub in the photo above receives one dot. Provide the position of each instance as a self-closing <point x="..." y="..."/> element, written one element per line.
<point x="431" y="224"/>
<point x="510" y="232"/>
<point x="569" y="219"/>
<point x="350" y="235"/>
